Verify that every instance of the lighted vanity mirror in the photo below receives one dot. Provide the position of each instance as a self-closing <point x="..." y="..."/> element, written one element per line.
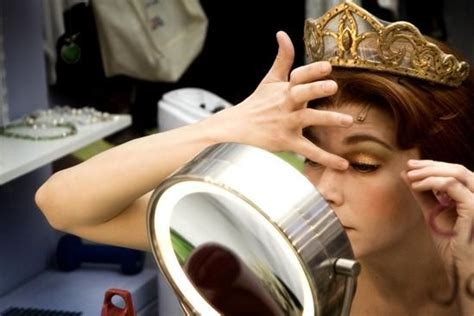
<point x="239" y="231"/>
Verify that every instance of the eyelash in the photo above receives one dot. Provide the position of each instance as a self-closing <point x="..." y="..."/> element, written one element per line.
<point x="364" y="167"/>
<point x="357" y="166"/>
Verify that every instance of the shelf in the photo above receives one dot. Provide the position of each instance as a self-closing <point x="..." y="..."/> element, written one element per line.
<point x="20" y="156"/>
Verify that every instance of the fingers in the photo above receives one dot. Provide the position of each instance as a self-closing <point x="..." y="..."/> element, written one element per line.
<point x="420" y="169"/>
<point x="281" y="67"/>
<point x="446" y="180"/>
<point x="455" y="209"/>
<point x="310" y="117"/>
<point x="280" y="70"/>
<point x="438" y="207"/>
<point x="438" y="216"/>
<point x="453" y="188"/>
<point x="301" y="94"/>
<point x="451" y="184"/>
<point x="306" y="84"/>
<point x="309" y="150"/>
<point x="306" y="92"/>
<point x="310" y="72"/>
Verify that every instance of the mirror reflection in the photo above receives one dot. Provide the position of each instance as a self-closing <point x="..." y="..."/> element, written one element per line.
<point x="233" y="260"/>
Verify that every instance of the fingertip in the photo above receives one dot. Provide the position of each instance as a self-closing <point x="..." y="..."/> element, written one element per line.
<point x="347" y="120"/>
<point x="284" y="59"/>
<point x="284" y="41"/>
<point x="403" y="175"/>
<point x="325" y="67"/>
<point x="281" y="33"/>
<point x="278" y="35"/>
<point x="413" y="163"/>
<point x="329" y="87"/>
<point x="281" y="38"/>
<point x="343" y="164"/>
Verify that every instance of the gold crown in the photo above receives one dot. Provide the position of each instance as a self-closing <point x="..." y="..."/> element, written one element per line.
<point x="349" y="36"/>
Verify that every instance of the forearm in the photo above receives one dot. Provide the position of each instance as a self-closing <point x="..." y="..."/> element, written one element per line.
<point x="100" y="188"/>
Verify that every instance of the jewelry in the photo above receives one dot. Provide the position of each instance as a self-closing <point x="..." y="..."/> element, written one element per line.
<point x="362" y="115"/>
<point x="349" y="36"/>
<point x="70" y="51"/>
<point x="54" y="123"/>
<point x="79" y="116"/>
<point x="28" y="131"/>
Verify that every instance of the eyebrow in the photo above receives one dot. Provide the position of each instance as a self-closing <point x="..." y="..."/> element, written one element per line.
<point x="354" y="139"/>
<point x="358" y="138"/>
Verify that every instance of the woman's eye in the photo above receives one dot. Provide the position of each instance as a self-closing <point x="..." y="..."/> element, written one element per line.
<point x="357" y="166"/>
<point x="364" y="167"/>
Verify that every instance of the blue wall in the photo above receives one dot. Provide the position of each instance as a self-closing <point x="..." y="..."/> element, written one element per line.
<point x="24" y="56"/>
<point x="26" y="240"/>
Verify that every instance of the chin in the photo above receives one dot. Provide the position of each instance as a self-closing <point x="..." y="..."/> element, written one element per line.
<point x="361" y="249"/>
<point x="354" y="244"/>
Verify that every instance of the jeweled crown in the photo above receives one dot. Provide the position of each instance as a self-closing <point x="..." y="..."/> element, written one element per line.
<point x="349" y="36"/>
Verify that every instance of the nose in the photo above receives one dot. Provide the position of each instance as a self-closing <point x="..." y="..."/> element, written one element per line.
<point x="329" y="184"/>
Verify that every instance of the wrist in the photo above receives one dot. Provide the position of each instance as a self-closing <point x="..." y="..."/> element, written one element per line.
<point x="220" y="127"/>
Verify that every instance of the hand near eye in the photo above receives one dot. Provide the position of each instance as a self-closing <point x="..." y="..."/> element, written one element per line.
<point x="274" y="116"/>
<point x="445" y="193"/>
<point x="446" y="190"/>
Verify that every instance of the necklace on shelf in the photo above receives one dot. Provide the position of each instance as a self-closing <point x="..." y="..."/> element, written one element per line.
<point x="43" y="131"/>
<point x="79" y="116"/>
<point x="57" y="122"/>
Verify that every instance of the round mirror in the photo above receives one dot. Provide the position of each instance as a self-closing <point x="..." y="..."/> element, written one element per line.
<point x="240" y="231"/>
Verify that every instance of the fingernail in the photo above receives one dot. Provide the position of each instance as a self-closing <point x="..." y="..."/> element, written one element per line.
<point x="329" y="86"/>
<point x="443" y="198"/>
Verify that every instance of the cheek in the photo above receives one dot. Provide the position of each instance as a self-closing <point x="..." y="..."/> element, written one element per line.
<point x="368" y="201"/>
<point x="384" y="217"/>
<point x="407" y="210"/>
<point x="386" y="207"/>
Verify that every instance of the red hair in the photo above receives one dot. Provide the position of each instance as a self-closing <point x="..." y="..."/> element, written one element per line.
<point x="438" y="120"/>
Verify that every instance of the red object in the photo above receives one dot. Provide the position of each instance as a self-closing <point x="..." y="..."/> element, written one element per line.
<point x="109" y="308"/>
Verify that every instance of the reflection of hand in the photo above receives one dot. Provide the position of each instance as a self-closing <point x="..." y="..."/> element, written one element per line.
<point x="445" y="193"/>
<point x="227" y="283"/>
<point x="275" y="114"/>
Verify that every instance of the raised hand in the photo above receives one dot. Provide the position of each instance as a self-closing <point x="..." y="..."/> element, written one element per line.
<point x="274" y="116"/>
<point x="446" y="190"/>
<point x="445" y="193"/>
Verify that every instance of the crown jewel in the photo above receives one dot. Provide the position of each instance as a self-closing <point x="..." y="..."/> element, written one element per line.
<point x="349" y="36"/>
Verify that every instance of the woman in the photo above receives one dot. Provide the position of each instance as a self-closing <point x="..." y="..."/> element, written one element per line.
<point x="407" y="199"/>
<point x="387" y="197"/>
<point x="392" y="155"/>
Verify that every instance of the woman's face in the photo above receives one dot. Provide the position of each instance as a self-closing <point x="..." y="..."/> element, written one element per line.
<point x="373" y="203"/>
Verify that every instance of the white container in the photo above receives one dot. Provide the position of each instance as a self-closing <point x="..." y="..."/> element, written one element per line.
<point x="187" y="105"/>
